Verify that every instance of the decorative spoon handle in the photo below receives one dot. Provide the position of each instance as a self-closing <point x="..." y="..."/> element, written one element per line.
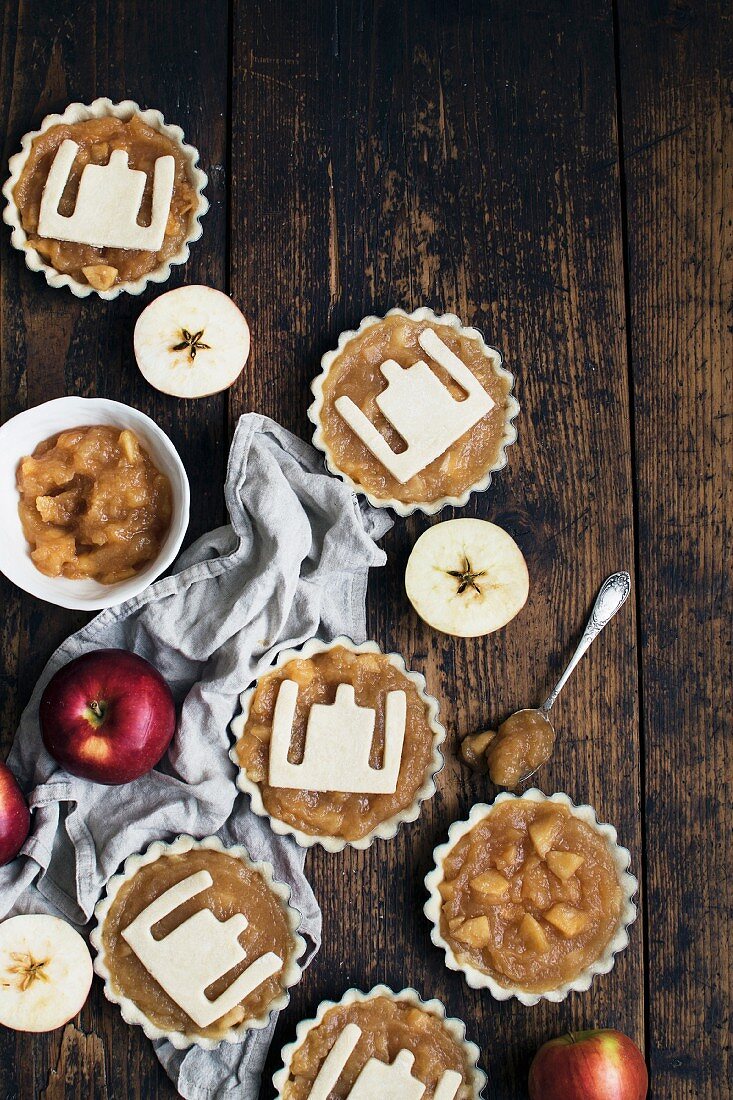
<point x="614" y="591"/>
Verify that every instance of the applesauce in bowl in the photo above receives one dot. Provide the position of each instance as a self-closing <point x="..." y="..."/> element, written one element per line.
<point x="141" y="498"/>
<point x="93" y="504"/>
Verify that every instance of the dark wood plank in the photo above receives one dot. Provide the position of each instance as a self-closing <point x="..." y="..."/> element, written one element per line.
<point x="165" y="56"/>
<point x="676" y="65"/>
<point x="464" y="158"/>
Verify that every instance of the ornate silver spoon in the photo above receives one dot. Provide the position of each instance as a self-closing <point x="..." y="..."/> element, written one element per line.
<point x="614" y="591"/>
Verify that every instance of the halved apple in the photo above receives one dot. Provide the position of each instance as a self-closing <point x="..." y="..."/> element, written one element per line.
<point x="466" y="577"/>
<point x="191" y="342"/>
<point x="45" y="973"/>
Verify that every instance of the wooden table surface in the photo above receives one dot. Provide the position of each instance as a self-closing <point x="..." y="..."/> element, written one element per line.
<point x="557" y="172"/>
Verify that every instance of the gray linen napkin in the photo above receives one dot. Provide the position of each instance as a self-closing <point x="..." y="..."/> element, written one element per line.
<point x="292" y="565"/>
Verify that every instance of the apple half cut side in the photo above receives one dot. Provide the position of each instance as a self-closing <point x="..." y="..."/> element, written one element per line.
<point x="191" y="342"/>
<point x="466" y="577"/>
<point x="45" y="973"/>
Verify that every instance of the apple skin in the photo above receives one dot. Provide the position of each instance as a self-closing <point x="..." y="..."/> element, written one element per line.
<point x="589" y="1065"/>
<point x="107" y="716"/>
<point x="15" y="817"/>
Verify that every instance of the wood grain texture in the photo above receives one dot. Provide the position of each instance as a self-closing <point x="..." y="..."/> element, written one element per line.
<point x="164" y="56"/>
<point x="676" y="66"/>
<point x="546" y="171"/>
<point x="453" y="162"/>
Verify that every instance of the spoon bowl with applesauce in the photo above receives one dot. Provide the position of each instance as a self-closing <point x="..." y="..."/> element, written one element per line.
<point x="525" y="740"/>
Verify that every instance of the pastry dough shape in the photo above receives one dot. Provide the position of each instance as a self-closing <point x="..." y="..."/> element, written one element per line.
<point x="420" y="409"/>
<point x="377" y="1079"/>
<point x="108" y="202"/>
<point x="337" y="744"/>
<point x="197" y="953"/>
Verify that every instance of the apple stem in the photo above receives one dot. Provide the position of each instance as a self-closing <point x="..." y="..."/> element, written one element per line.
<point x="96" y="709"/>
<point x="572" y="1037"/>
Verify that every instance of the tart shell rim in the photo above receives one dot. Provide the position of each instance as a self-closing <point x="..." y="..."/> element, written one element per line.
<point x="407" y="508"/>
<point x="104" y="107"/>
<point x="131" y="1013"/>
<point x="434" y="1007"/>
<point x="479" y="979"/>
<point x="386" y="829"/>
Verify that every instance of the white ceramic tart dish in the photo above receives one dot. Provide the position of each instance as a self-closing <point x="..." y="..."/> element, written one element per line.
<point x="80" y="112"/>
<point x="386" y="829"/>
<point x="288" y="976"/>
<point x="480" y="979"/>
<point x="484" y="474"/>
<point x="471" y="1088"/>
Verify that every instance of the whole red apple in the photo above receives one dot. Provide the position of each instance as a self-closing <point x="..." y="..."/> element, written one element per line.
<point x="589" y="1065"/>
<point x="107" y="716"/>
<point x="15" y="818"/>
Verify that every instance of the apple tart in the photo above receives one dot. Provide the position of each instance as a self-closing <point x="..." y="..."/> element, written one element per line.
<point x="531" y="897"/>
<point x="338" y="744"/>
<point x="105" y="198"/>
<point x="414" y="410"/>
<point x="211" y="906"/>
<point x="380" y="1044"/>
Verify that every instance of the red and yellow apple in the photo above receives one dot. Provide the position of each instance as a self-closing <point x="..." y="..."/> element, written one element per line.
<point x="15" y="818"/>
<point x="589" y="1065"/>
<point x="107" y="716"/>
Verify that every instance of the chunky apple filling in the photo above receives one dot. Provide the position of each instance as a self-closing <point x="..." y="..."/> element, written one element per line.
<point x="521" y="744"/>
<point x="355" y="373"/>
<point x="237" y="888"/>
<point x="531" y="896"/>
<point x="388" y="1026"/>
<point x="330" y="813"/>
<point x="103" y="268"/>
<point x="93" y="504"/>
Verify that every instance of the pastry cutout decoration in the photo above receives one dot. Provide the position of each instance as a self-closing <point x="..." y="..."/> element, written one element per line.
<point x="420" y="408"/>
<point x="108" y="202"/>
<point x="338" y="744"/>
<point x="377" y="1079"/>
<point x="197" y="953"/>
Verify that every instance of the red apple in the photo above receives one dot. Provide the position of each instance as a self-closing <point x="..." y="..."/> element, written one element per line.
<point x="15" y="818"/>
<point x="589" y="1065"/>
<point x="107" y="716"/>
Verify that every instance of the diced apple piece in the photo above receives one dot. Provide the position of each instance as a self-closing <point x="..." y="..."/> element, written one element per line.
<point x="455" y="922"/>
<point x="447" y="890"/>
<point x="536" y="886"/>
<point x="543" y="832"/>
<point x="100" y="276"/>
<point x="508" y="856"/>
<point x="568" y="921"/>
<point x="475" y="932"/>
<point x="533" y="934"/>
<point x="564" y="864"/>
<point x="490" y="885"/>
<point x="129" y="445"/>
<point x="473" y="748"/>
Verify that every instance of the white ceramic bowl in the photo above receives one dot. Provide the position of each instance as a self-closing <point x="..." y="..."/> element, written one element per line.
<point x="20" y="436"/>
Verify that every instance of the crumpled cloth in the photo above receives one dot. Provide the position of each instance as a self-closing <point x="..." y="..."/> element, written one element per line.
<point x="292" y="565"/>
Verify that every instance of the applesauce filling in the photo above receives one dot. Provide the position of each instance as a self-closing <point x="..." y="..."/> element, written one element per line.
<point x="103" y="268"/>
<point x="388" y="1026"/>
<point x="531" y="896"/>
<point x="237" y="888"/>
<point x="355" y="373"/>
<point x="93" y="504"/>
<point x="329" y="813"/>
<point x="521" y="744"/>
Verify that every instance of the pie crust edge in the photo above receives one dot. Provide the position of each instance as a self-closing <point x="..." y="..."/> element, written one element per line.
<point x="478" y="979"/>
<point x="131" y="1014"/>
